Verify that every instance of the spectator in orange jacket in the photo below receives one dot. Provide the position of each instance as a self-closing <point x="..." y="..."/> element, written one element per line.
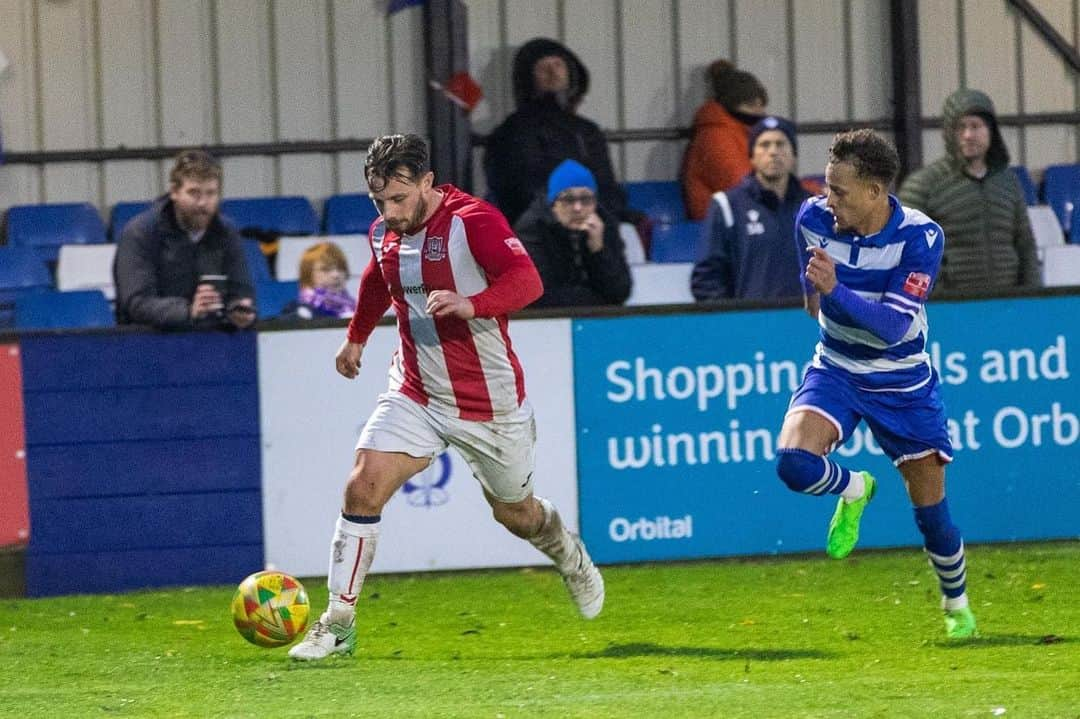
<point x="717" y="158"/>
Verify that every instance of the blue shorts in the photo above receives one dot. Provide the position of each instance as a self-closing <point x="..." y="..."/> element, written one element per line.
<point x="907" y="425"/>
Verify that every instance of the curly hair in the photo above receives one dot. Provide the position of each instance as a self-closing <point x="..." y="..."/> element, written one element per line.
<point x="198" y="165"/>
<point x="402" y="157"/>
<point x="869" y="153"/>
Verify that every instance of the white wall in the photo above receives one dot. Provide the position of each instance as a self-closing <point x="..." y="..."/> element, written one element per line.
<point x="93" y="74"/>
<point x="90" y="74"/>
<point x="820" y="60"/>
<point x="310" y="419"/>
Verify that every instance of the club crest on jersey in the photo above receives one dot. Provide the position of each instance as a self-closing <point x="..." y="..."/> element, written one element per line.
<point x="515" y="246"/>
<point x="918" y="284"/>
<point x="435" y="249"/>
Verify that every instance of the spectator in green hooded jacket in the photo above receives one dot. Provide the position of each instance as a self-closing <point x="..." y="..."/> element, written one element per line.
<point x="977" y="200"/>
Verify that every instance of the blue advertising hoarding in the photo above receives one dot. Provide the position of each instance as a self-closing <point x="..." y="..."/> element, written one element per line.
<point x="678" y="416"/>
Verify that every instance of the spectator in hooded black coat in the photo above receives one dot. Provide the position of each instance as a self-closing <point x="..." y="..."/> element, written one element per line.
<point x="549" y="84"/>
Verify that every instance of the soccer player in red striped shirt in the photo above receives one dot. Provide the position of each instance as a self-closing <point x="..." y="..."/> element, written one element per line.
<point x="452" y="269"/>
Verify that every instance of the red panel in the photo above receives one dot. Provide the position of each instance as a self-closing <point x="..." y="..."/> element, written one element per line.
<point x="14" y="504"/>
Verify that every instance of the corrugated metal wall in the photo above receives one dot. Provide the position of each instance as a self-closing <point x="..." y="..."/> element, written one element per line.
<point x="90" y="74"/>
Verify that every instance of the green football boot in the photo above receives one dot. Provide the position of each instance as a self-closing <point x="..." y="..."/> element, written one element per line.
<point x="844" y="526"/>
<point x="960" y="624"/>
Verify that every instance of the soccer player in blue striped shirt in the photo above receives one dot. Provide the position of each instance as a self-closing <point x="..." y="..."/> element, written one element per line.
<point x="870" y="264"/>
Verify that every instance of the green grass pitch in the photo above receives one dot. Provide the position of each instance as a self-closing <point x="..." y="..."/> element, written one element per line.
<point x="797" y="637"/>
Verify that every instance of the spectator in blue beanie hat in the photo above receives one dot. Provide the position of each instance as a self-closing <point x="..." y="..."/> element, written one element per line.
<point x="574" y="242"/>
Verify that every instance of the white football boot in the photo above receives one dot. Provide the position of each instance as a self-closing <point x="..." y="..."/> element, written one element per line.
<point x="584" y="583"/>
<point x="325" y="638"/>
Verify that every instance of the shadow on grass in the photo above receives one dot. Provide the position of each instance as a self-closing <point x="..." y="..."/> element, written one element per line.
<point x="337" y="662"/>
<point x="648" y="649"/>
<point x="1005" y="640"/>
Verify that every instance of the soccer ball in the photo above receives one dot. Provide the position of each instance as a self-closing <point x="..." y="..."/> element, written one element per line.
<point x="270" y="609"/>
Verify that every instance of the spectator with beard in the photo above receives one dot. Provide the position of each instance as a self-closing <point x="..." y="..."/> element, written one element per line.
<point x="717" y="157"/>
<point x="178" y="264"/>
<point x="550" y="83"/>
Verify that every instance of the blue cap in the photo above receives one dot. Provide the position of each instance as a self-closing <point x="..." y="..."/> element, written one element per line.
<point x="569" y="173"/>
<point x="774" y="122"/>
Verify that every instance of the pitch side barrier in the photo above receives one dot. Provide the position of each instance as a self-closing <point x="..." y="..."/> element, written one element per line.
<point x="677" y="417"/>
<point x="160" y="459"/>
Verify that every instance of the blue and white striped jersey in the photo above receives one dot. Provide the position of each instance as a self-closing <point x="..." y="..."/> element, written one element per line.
<point x="897" y="267"/>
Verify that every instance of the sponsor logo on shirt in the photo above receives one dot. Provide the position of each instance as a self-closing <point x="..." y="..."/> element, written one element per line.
<point x="420" y="289"/>
<point x="435" y="249"/>
<point x="753" y="227"/>
<point x="917" y="284"/>
<point x="515" y="246"/>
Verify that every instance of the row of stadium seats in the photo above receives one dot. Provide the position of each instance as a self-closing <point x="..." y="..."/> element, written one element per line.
<point x="70" y="240"/>
<point x="675" y="238"/>
<point x="47" y="227"/>
<point x="678" y="239"/>
<point x="86" y="309"/>
<point x="655" y="283"/>
<point x="27" y="287"/>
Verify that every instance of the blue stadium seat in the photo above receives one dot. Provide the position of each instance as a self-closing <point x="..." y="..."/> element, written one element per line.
<point x="63" y="310"/>
<point x="281" y="215"/>
<point x="350" y="214"/>
<point x="122" y="213"/>
<point x="22" y="272"/>
<point x="661" y="201"/>
<point x="46" y="227"/>
<point x="680" y="242"/>
<point x="272" y="296"/>
<point x="1030" y="196"/>
<point x="258" y="267"/>
<point x="1061" y="190"/>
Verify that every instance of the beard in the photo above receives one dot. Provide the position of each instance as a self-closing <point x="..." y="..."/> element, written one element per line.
<point x="403" y="227"/>
<point x="194" y="220"/>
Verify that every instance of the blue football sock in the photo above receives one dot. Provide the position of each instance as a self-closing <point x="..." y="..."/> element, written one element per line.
<point x="806" y="472"/>
<point x="944" y="547"/>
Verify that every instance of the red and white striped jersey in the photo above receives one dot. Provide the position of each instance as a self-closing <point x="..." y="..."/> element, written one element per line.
<point x="464" y="368"/>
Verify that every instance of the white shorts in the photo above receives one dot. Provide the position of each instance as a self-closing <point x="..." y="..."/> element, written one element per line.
<point x="500" y="452"/>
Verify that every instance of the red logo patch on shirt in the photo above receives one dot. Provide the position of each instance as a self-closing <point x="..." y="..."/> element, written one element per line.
<point x="515" y="246"/>
<point x="917" y="284"/>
